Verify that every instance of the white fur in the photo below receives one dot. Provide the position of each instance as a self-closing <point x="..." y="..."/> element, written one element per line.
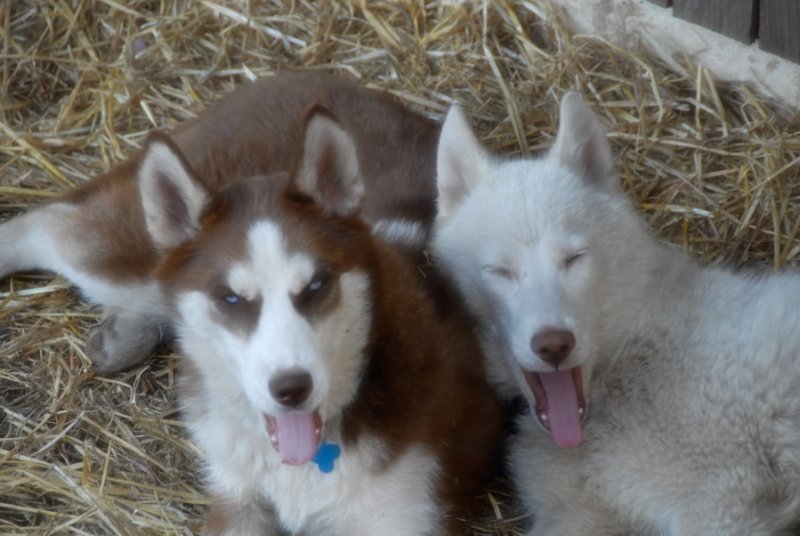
<point x="227" y="419"/>
<point x="161" y="165"/>
<point x="33" y="240"/>
<point x="692" y="374"/>
<point x="38" y="239"/>
<point x="405" y="233"/>
<point x="243" y="465"/>
<point x="461" y="162"/>
<point x="339" y="188"/>
<point x="20" y="239"/>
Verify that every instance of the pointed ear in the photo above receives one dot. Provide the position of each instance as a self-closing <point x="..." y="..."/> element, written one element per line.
<point x="461" y="161"/>
<point x="581" y="143"/>
<point x="329" y="172"/>
<point x="172" y="197"/>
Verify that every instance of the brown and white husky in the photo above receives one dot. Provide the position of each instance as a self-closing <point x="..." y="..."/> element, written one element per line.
<point x="96" y="236"/>
<point x="329" y="392"/>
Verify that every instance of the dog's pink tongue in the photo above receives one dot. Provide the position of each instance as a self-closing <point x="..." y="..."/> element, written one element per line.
<point x="298" y="437"/>
<point x="563" y="415"/>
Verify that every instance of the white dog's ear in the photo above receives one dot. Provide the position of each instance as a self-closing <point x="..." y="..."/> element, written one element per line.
<point x="461" y="161"/>
<point x="172" y="197"/>
<point x="581" y="143"/>
<point x="328" y="171"/>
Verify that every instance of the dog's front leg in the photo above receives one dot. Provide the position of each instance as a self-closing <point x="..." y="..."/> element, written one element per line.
<point x="125" y="339"/>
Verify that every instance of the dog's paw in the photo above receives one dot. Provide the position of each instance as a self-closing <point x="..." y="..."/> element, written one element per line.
<point x="123" y="340"/>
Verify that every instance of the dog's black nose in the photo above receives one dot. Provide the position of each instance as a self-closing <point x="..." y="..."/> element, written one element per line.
<point x="553" y="345"/>
<point x="291" y="388"/>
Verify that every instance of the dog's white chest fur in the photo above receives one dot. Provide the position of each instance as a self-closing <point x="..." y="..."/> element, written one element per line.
<point x="362" y="495"/>
<point x="309" y="500"/>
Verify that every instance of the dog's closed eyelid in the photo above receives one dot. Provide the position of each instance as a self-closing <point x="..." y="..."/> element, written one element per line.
<point x="573" y="257"/>
<point x="500" y="271"/>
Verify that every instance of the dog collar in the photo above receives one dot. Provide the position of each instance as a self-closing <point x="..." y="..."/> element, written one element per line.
<point x="326" y="455"/>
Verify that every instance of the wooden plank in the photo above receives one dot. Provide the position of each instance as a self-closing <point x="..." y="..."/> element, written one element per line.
<point x="734" y="18"/>
<point x="662" y="3"/>
<point x="778" y="28"/>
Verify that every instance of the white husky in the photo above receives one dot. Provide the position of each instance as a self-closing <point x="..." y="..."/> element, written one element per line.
<point x="677" y="385"/>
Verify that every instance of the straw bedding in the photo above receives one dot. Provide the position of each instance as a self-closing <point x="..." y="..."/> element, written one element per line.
<point x="713" y="168"/>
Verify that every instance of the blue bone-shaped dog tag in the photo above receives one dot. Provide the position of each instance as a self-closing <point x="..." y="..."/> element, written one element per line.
<point x="326" y="455"/>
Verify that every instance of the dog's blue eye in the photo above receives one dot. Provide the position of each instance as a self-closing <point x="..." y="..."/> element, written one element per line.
<point x="226" y="295"/>
<point x="232" y="299"/>
<point x="320" y="279"/>
<point x="316" y="291"/>
<point x="315" y="285"/>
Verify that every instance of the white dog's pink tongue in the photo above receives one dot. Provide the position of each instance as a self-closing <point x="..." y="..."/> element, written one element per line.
<point x="563" y="415"/>
<point x="297" y="437"/>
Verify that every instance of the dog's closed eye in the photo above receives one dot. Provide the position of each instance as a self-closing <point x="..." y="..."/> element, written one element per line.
<point x="575" y="257"/>
<point x="500" y="272"/>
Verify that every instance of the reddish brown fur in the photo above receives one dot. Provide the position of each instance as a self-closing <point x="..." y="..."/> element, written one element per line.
<point x="259" y="130"/>
<point x="425" y="384"/>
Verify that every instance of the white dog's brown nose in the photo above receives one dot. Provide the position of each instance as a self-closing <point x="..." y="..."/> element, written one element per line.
<point x="553" y="345"/>
<point x="291" y="388"/>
